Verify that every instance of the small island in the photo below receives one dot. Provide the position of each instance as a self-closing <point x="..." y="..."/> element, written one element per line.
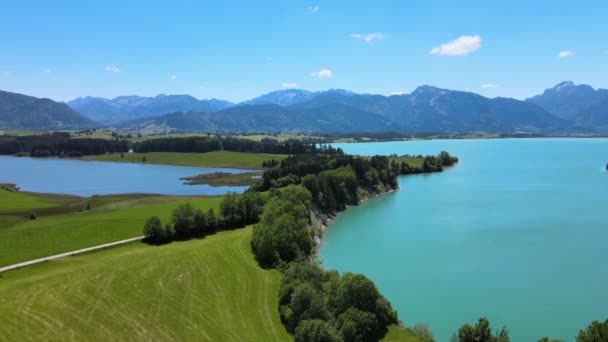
<point x="224" y="179"/>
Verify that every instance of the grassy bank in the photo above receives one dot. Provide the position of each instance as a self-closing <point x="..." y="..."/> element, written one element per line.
<point x="64" y="227"/>
<point x="210" y="290"/>
<point x="241" y="160"/>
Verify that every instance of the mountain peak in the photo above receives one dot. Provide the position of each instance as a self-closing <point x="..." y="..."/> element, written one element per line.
<point x="564" y="84"/>
<point x="427" y="89"/>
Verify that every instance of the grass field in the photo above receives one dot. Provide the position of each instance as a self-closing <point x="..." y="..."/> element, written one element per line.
<point x="63" y="228"/>
<point x="18" y="132"/>
<point x="208" y="290"/>
<point x="400" y="334"/>
<point x="14" y="201"/>
<point x="240" y="160"/>
<point x="411" y="161"/>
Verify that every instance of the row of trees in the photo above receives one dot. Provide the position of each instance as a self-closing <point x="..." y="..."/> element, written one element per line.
<point x="59" y="144"/>
<point x="218" y="143"/>
<point x="481" y="332"/>
<point x="187" y="222"/>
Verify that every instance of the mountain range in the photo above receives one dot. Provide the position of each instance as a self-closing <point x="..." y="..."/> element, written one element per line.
<point x="565" y="108"/>
<point x="586" y="107"/>
<point x="27" y="112"/>
<point x="124" y="108"/>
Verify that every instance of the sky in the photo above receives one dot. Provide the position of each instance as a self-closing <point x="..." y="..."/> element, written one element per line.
<point x="237" y="50"/>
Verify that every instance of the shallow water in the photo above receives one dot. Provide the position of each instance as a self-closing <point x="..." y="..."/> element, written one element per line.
<point x="87" y="178"/>
<point x="516" y="232"/>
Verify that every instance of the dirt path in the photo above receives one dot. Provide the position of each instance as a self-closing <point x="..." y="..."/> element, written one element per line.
<point x="62" y="255"/>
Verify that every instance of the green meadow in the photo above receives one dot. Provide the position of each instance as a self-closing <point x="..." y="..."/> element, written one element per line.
<point x="67" y="227"/>
<point x="242" y="160"/>
<point x="206" y="290"/>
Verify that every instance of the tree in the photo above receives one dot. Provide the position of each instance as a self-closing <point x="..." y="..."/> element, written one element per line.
<point x="546" y="339"/>
<point x="211" y="221"/>
<point x="359" y="326"/>
<point x="153" y="230"/>
<point x="200" y="223"/>
<point x="481" y="332"/>
<point x="316" y="330"/>
<point x="282" y="234"/>
<point x="595" y="332"/>
<point x="306" y="303"/>
<point x="183" y="220"/>
<point x="169" y="232"/>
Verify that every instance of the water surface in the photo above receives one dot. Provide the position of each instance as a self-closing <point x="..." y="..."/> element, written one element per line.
<point x="87" y="178"/>
<point x="517" y="232"/>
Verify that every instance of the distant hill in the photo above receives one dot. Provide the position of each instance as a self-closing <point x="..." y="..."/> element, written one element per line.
<point x="126" y="108"/>
<point x="19" y="111"/>
<point x="581" y="104"/>
<point x="267" y="118"/>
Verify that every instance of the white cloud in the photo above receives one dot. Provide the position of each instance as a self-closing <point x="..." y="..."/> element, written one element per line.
<point x="313" y="9"/>
<point x="398" y="93"/>
<point x="565" y="53"/>
<point x="112" y="68"/>
<point x="323" y="73"/>
<point x="47" y="71"/>
<point x="202" y="87"/>
<point x="172" y="77"/>
<point x="462" y="46"/>
<point x="289" y="85"/>
<point x="367" y="37"/>
<point x="488" y="85"/>
<point x="268" y="59"/>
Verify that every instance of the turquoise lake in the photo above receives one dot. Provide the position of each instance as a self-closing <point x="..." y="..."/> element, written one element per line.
<point x="516" y="232"/>
<point x="88" y="178"/>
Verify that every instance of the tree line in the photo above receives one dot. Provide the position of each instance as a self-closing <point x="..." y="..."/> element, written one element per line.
<point x="59" y="144"/>
<point x="338" y="180"/>
<point x="481" y="332"/>
<point x="314" y="304"/>
<point x="187" y="222"/>
<point x="219" y="143"/>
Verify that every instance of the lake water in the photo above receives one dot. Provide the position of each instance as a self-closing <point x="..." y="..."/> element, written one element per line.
<point x="517" y="232"/>
<point x="87" y="178"/>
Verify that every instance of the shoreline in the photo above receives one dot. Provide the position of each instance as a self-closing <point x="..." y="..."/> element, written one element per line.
<point x="321" y="222"/>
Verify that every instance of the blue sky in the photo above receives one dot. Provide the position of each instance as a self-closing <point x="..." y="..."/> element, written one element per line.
<point x="236" y="50"/>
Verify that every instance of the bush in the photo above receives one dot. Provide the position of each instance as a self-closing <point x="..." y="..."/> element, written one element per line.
<point x="33" y="216"/>
<point x="423" y="332"/>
